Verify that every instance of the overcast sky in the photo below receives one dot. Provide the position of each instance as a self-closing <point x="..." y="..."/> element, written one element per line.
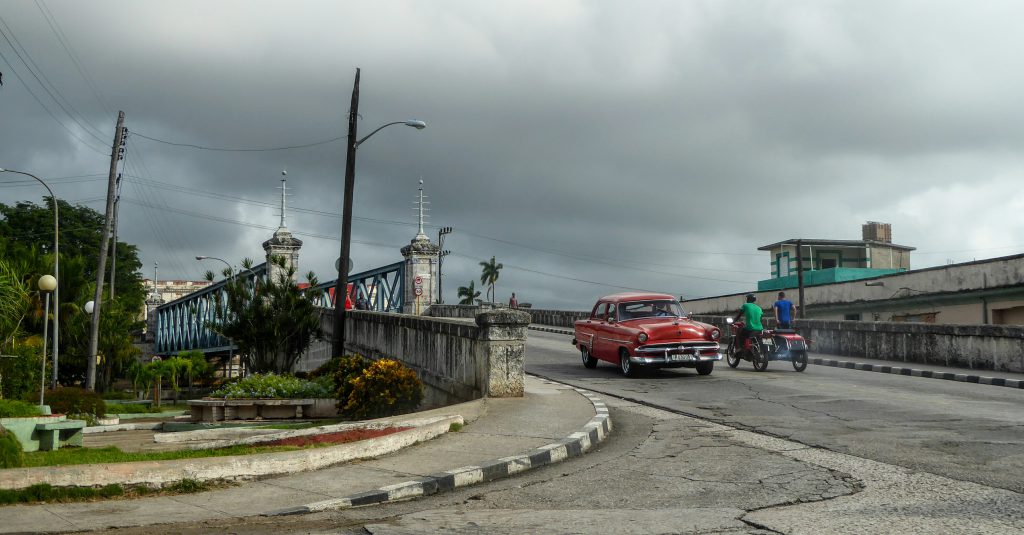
<point x="589" y="146"/>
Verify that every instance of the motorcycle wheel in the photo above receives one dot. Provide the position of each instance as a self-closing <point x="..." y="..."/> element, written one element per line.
<point x="731" y="358"/>
<point x="799" y="360"/>
<point x="758" y="357"/>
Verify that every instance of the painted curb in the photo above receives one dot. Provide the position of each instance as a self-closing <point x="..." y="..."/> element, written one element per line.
<point x="881" y="368"/>
<point x="913" y="372"/>
<point x="574" y="445"/>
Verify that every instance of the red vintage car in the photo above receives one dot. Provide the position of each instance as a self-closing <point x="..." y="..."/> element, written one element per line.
<point x="646" y="330"/>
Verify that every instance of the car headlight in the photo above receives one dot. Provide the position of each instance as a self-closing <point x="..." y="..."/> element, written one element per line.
<point x="716" y="334"/>
<point x="642" y="337"/>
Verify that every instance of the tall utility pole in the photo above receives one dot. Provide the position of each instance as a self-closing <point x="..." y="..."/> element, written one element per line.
<point x="113" y="241"/>
<point x="800" y="275"/>
<point x="341" y="287"/>
<point x="441" y="232"/>
<point x="116" y="154"/>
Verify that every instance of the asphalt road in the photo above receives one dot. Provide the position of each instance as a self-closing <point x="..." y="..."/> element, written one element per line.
<point x="662" y="471"/>
<point x="963" y="431"/>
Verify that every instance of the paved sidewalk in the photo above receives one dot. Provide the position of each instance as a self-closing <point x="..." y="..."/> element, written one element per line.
<point x="914" y="369"/>
<point x="551" y="422"/>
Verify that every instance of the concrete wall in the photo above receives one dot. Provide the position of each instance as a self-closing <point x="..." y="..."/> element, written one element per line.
<point x="965" y="293"/>
<point x="980" y="347"/>
<point x="557" y="318"/>
<point x="458" y="359"/>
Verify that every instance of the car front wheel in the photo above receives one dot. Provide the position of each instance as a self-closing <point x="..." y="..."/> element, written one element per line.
<point x="627" y="367"/>
<point x="705" y="368"/>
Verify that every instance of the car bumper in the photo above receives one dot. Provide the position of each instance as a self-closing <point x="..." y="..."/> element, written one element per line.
<point x="674" y="361"/>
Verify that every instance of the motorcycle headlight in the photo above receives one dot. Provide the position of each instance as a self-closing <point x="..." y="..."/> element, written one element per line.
<point x="716" y="334"/>
<point x="642" y="337"/>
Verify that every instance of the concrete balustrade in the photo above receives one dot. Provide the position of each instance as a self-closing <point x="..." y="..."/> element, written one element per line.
<point x="978" y="347"/>
<point x="457" y="359"/>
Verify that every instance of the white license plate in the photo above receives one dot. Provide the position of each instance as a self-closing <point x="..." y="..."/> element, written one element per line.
<point x="680" y="358"/>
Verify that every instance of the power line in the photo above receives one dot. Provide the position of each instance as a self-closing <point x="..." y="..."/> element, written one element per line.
<point x="221" y="149"/>
<point x="26" y="60"/>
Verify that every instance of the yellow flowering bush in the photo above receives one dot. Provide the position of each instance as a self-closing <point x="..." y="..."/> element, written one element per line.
<point x="384" y="388"/>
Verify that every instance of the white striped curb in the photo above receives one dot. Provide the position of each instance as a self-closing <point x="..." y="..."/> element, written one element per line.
<point x="575" y="445"/>
<point x="913" y="372"/>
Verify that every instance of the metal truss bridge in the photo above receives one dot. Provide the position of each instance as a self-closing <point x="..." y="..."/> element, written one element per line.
<point x="185" y="323"/>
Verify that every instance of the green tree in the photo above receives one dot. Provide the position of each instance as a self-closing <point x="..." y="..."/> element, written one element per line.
<point x="489" y="276"/>
<point x="26" y="243"/>
<point x="468" y="293"/>
<point x="271" y="322"/>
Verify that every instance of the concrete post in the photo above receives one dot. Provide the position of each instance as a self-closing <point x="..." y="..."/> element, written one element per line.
<point x="420" y="266"/>
<point x="503" y="332"/>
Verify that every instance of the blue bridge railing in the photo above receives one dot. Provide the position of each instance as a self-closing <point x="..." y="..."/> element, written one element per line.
<point x="183" y="324"/>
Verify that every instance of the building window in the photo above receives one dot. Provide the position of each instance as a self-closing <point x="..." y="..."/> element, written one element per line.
<point x="852" y="317"/>
<point x="925" y="317"/>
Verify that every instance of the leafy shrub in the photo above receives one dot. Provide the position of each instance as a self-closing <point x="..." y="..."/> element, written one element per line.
<point x="274" y="387"/>
<point x="21" y="374"/>
<point x="344" y="369"/>
<point x="76" y="402"/>
<point x="10" y="408"/>
<point x="11" y="454"/>
<point x="385" y="388"/>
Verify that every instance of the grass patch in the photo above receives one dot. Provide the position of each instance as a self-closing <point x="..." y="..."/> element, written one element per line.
<point x="49" y="494"/>
<point x="303" y="425"/>
<point x="455" y="427"/>
<point x="142" y="408"/>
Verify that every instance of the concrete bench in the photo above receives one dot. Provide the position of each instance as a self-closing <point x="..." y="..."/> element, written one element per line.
<point x="214" y="410"/>
<point x="53" y="435"/>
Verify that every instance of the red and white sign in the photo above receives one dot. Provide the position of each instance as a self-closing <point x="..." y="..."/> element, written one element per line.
<point x="418" y="291"/>
<point x="418" y="281"/>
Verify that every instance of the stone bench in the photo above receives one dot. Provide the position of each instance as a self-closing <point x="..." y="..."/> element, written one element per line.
<point x="215" y="410"/>
<point x="53" y="435"/>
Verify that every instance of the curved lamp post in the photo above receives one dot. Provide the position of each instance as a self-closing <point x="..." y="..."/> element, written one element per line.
<point x="341" y="285"/>
<point x="47" y="284"/>
<point x="231" y="353"/>
<point x="214" y="258"/>
<point x="56" y="268"/>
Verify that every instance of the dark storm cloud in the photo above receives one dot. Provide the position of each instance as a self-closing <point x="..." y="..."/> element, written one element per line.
<point x="587" y="145"/>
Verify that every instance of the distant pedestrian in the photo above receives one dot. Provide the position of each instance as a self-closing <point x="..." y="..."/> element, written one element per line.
<point x="361" y="303"/>
<point x="513" y="302"/>
<point x="785" y="311"/>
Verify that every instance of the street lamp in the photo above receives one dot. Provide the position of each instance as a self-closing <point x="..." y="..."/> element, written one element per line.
<point x="47" y="284"/>
<point x="231" y="352"/>
<point x="214" y="258"/>
<point x="341" y="285"/>
<point x="56" y="267"/>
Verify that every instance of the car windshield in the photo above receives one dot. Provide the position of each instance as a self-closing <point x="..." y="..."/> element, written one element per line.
<point x="648" y="309"/>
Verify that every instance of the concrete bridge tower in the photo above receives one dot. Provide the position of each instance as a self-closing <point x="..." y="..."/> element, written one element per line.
<point x="420" y="284"/>
<point x="283" y="244"/>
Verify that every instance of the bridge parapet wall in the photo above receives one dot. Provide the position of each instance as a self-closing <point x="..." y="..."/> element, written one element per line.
<point x="979" y="347"/>
<point x="557" y="318"/>
<point x="458" y="359"/>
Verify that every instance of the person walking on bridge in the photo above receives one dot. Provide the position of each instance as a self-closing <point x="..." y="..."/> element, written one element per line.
<point x="785" y="312"/>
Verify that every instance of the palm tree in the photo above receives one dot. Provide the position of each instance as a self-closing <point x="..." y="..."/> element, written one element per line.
<point x="468" y="294"/>
<point x="490" y="276"/>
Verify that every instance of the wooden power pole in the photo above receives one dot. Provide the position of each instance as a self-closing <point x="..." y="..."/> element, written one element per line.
<point x="94" y="333"/>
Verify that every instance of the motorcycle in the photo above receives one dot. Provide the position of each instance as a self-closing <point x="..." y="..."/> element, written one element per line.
<point x="768" y="345"/>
